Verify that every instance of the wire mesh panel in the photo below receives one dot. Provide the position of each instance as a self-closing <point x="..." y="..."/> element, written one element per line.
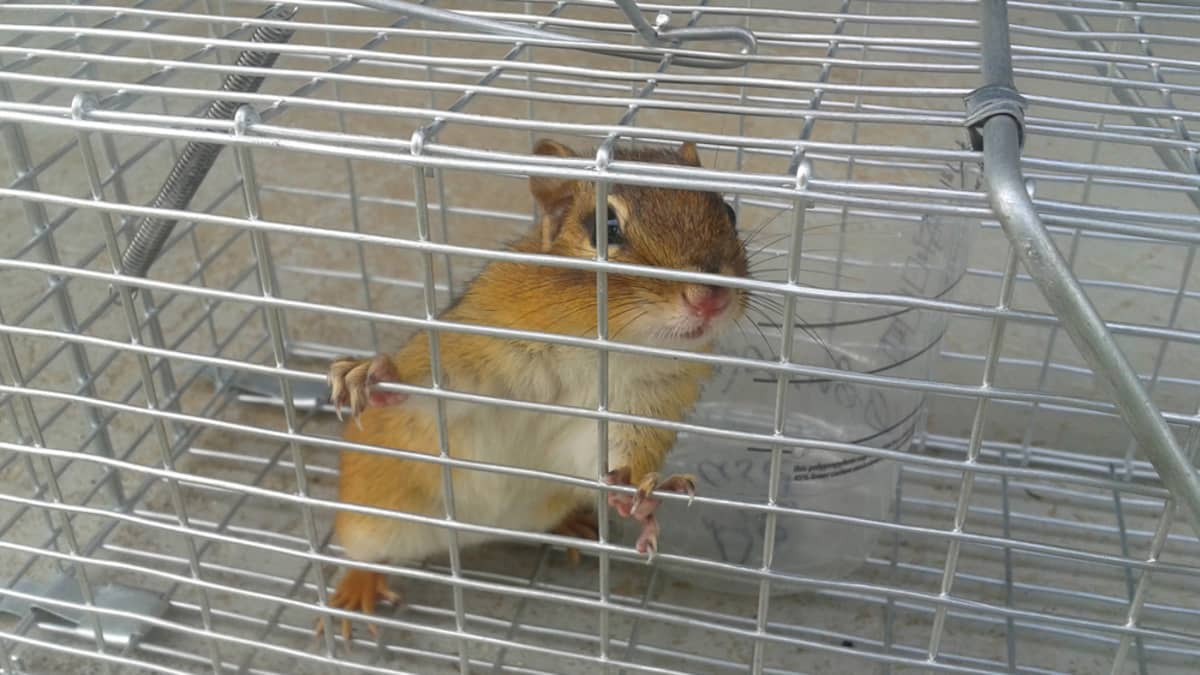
<point x="902" y="461"/>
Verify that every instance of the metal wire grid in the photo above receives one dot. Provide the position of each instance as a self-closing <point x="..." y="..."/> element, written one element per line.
<point x="125" y="464"/>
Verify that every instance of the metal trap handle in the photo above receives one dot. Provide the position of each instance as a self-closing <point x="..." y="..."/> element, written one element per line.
<point x="995" y="115"/>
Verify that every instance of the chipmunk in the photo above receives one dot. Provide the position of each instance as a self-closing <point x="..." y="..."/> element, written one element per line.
<point x="670" y="228"/>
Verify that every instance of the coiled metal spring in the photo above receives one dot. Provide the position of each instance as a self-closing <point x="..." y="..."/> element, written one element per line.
<point x="197" y="158"/>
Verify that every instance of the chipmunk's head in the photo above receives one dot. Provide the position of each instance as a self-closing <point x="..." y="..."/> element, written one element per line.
<point x="664" y="227"/>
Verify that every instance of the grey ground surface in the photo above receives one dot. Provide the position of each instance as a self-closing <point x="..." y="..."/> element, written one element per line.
<point x="305" y="189"/>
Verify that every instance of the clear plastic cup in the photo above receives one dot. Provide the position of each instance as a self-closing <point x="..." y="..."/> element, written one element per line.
<point x="919" y="257"/>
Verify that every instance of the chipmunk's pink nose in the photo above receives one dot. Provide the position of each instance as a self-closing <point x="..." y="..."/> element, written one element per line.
<point x="706" y="301"/>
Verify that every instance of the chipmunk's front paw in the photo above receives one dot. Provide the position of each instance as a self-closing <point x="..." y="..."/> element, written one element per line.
<point x="350" y="382"/>
<point x="642" y="505"/>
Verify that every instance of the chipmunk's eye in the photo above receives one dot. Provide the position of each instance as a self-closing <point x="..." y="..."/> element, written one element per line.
<point x="615" y="236"/>
<point x="732" y="215"/>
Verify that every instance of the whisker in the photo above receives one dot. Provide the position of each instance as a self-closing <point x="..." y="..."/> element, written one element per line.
<point x="817" y="230"/>
<point x="629" y="322"/>
<point x="766" y="321"/>
<point x="717" y="154"/>
<point x="762" y="304"/>
<point x="742" y="328"/>
<point x="775" y="253"/>
<point x="770" y="270"/>
<point x="773" y="256"/>
<point x="803" y="326"/>
<point x="779" y="212"/>
<point x="807" y="249"/>
<point x="765" y="302"/>
<point x="812" y="334"/>
<point x="761" y="334"/>
<point x="624" y="312"/>
<point x="766" y="318"/>
<point x="769" y="243"/>
<point x="746" y="242"/>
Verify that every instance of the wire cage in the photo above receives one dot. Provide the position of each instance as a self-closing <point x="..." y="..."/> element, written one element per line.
<point x="168" y="458"/>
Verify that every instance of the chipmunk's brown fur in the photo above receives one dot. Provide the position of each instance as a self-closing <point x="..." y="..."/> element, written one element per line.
<point x="663" y="227"/>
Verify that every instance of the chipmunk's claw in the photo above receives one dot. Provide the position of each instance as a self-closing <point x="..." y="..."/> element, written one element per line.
<point x="647" y="541"/>
<point x="336" y="388"/>
<point x="641" y="505"/>
<point x="680" y="482"/>
<point x="350" y="382"/>
<point x="359" y="591"/>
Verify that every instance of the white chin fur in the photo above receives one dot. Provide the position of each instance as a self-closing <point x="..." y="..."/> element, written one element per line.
<point x="674" y="330"/>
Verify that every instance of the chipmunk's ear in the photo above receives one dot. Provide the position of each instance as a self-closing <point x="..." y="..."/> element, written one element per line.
<point x="687" y="152"/>
<point x="553" y="194"/>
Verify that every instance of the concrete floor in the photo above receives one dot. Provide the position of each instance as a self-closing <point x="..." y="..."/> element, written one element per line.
<point x="307" y="189"/>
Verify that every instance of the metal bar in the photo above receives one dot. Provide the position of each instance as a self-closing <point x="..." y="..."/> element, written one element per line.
<point x="1081" y="599"/>
<point x="1137" y="600"/>
<point x="889" y="608"/>
<point x="661" y="32"/>
<point x="985" y="540"/>
<point x="443" y="433"/>
<point x="511" y="631"/>
<point x="55" y="493"/>
<point x="353" y="199"/>
<point x="1048" y="354"/>
<point x="1120" y="513"/>
<point x="954" y="465"/>
<point x="632" y="643"/>
<point x="603" y="578"/>
<point x="995" y="342"/>
<point x="277" y="328"/>
<point x="514" y="30"/>
<point x="694" y="613"/>
<point x="1010" y="629"/>
<point x="604" y="156"/>
<point x="883" y="182"/>
<point x="1185" y="273"/>
<point x="150" y="308"/>
<point x="65" y="312"/>
<point x="137" y="493"/>
<point x="492" y="587"/>
<point x="801" y="167"/>
<point x="429" y="132"/>
<point x="97" y="313"/>
<point x="1041" y="258"/>
<point x="149" y="389"/>
<point x="1129" y="97"/>
<point x="787" y="342"/>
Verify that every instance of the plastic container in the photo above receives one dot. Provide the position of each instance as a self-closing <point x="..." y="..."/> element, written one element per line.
<point x="923" y="257"/>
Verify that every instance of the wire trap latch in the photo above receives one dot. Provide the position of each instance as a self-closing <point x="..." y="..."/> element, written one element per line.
<point x="656" y="35"/>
